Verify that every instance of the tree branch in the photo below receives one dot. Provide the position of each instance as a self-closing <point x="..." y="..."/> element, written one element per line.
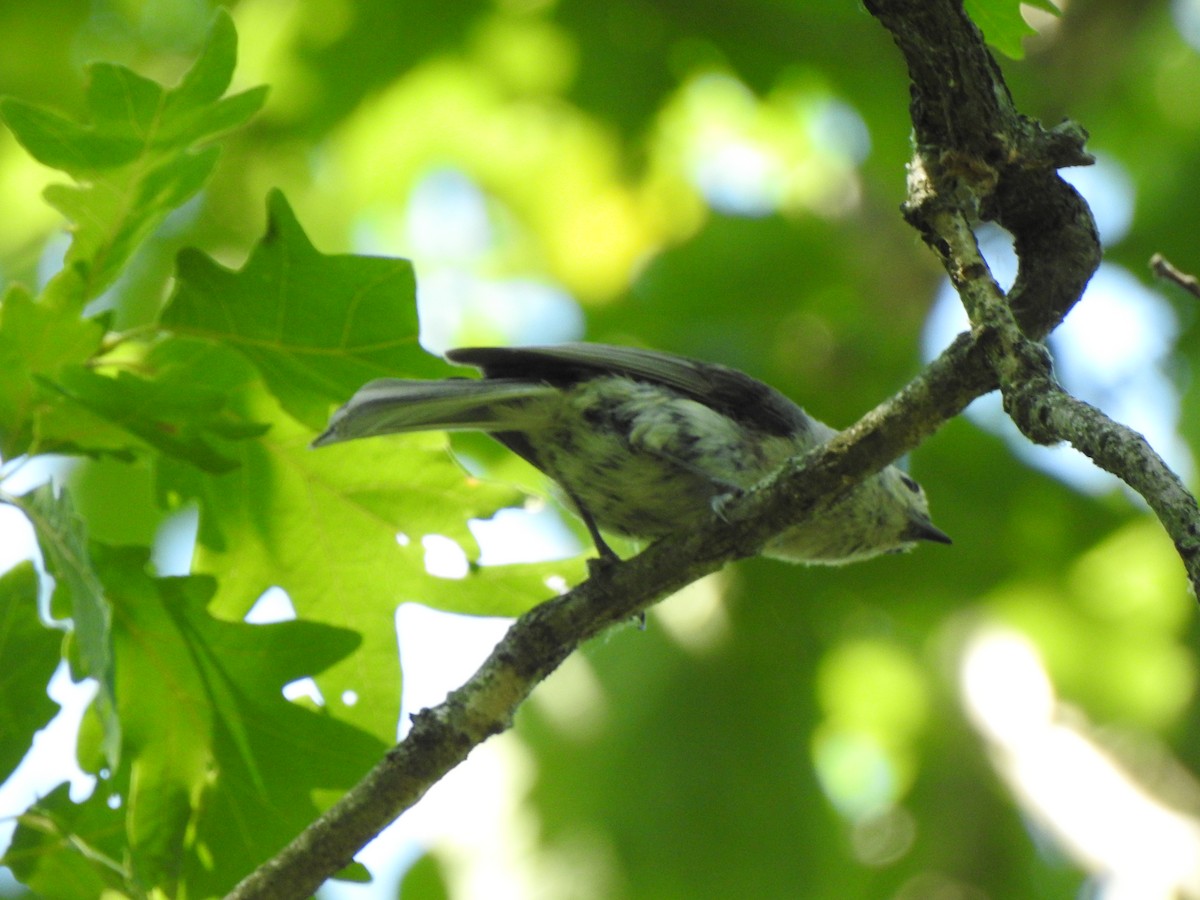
<point x="976" y="157"/>
<point x="442" y="736"/>
<point x="1046" y="414"/>
<point x="965" y="165"/>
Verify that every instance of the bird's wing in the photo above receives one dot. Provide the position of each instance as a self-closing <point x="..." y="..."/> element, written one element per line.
<point x="732" y="392"/>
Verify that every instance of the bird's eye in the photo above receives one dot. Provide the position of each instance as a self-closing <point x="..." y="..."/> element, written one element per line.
<point x="910" y="484"/>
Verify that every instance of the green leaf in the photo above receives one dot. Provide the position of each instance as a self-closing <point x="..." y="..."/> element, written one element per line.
<point x="425" y="880"/>
<point x="138" y="400"/>
<point x="35" y="339"/>
<point x="317" y="327"/>
<point x="78" y="591"/>
<point x="138" y="158"/>
<point x="69" y="850"/>
<point x="166" y="717"/>
<point x="209" y="739"/>
<point x="62" y="144"/>
<point x="31" y="652"/>
<point x="111" y="223"/>
<point x="505" y="591"/>
<point x="178" y="419"/>
<point x="323" y="525"/>
<point x="1002" y="23"/>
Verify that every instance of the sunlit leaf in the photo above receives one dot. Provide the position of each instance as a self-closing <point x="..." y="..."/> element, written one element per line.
<point x="324" y="525"/>
<point x="208" y="738"/>
<point x="139" y="157"/>
<point x="316" y="326"/>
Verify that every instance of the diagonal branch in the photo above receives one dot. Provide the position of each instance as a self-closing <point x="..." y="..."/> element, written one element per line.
<point x="976" y="156"/>
<point x="535" y="645"/>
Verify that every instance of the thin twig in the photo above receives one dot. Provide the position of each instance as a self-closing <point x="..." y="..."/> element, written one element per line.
<point x="1163" y="268"/>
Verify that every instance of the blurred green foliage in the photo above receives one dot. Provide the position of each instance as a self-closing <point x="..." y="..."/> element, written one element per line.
<point x="720" y="180"/>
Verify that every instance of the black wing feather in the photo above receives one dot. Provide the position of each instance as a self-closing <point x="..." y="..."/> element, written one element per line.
<point x="731" y="392"/>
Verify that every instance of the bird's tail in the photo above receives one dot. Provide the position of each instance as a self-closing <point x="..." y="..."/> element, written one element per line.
<point x="391" y="405"/>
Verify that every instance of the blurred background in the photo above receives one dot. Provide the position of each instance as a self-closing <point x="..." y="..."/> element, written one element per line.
<point x="1013" y="716"/>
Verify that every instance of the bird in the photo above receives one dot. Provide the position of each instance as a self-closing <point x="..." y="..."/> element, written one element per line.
<point x="644" y="443"/>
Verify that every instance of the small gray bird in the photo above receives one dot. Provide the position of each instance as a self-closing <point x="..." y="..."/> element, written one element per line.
<point x="643" y="443"/>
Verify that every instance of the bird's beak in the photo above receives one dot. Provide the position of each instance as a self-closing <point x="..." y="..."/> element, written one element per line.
<point x="924" y="530"/>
